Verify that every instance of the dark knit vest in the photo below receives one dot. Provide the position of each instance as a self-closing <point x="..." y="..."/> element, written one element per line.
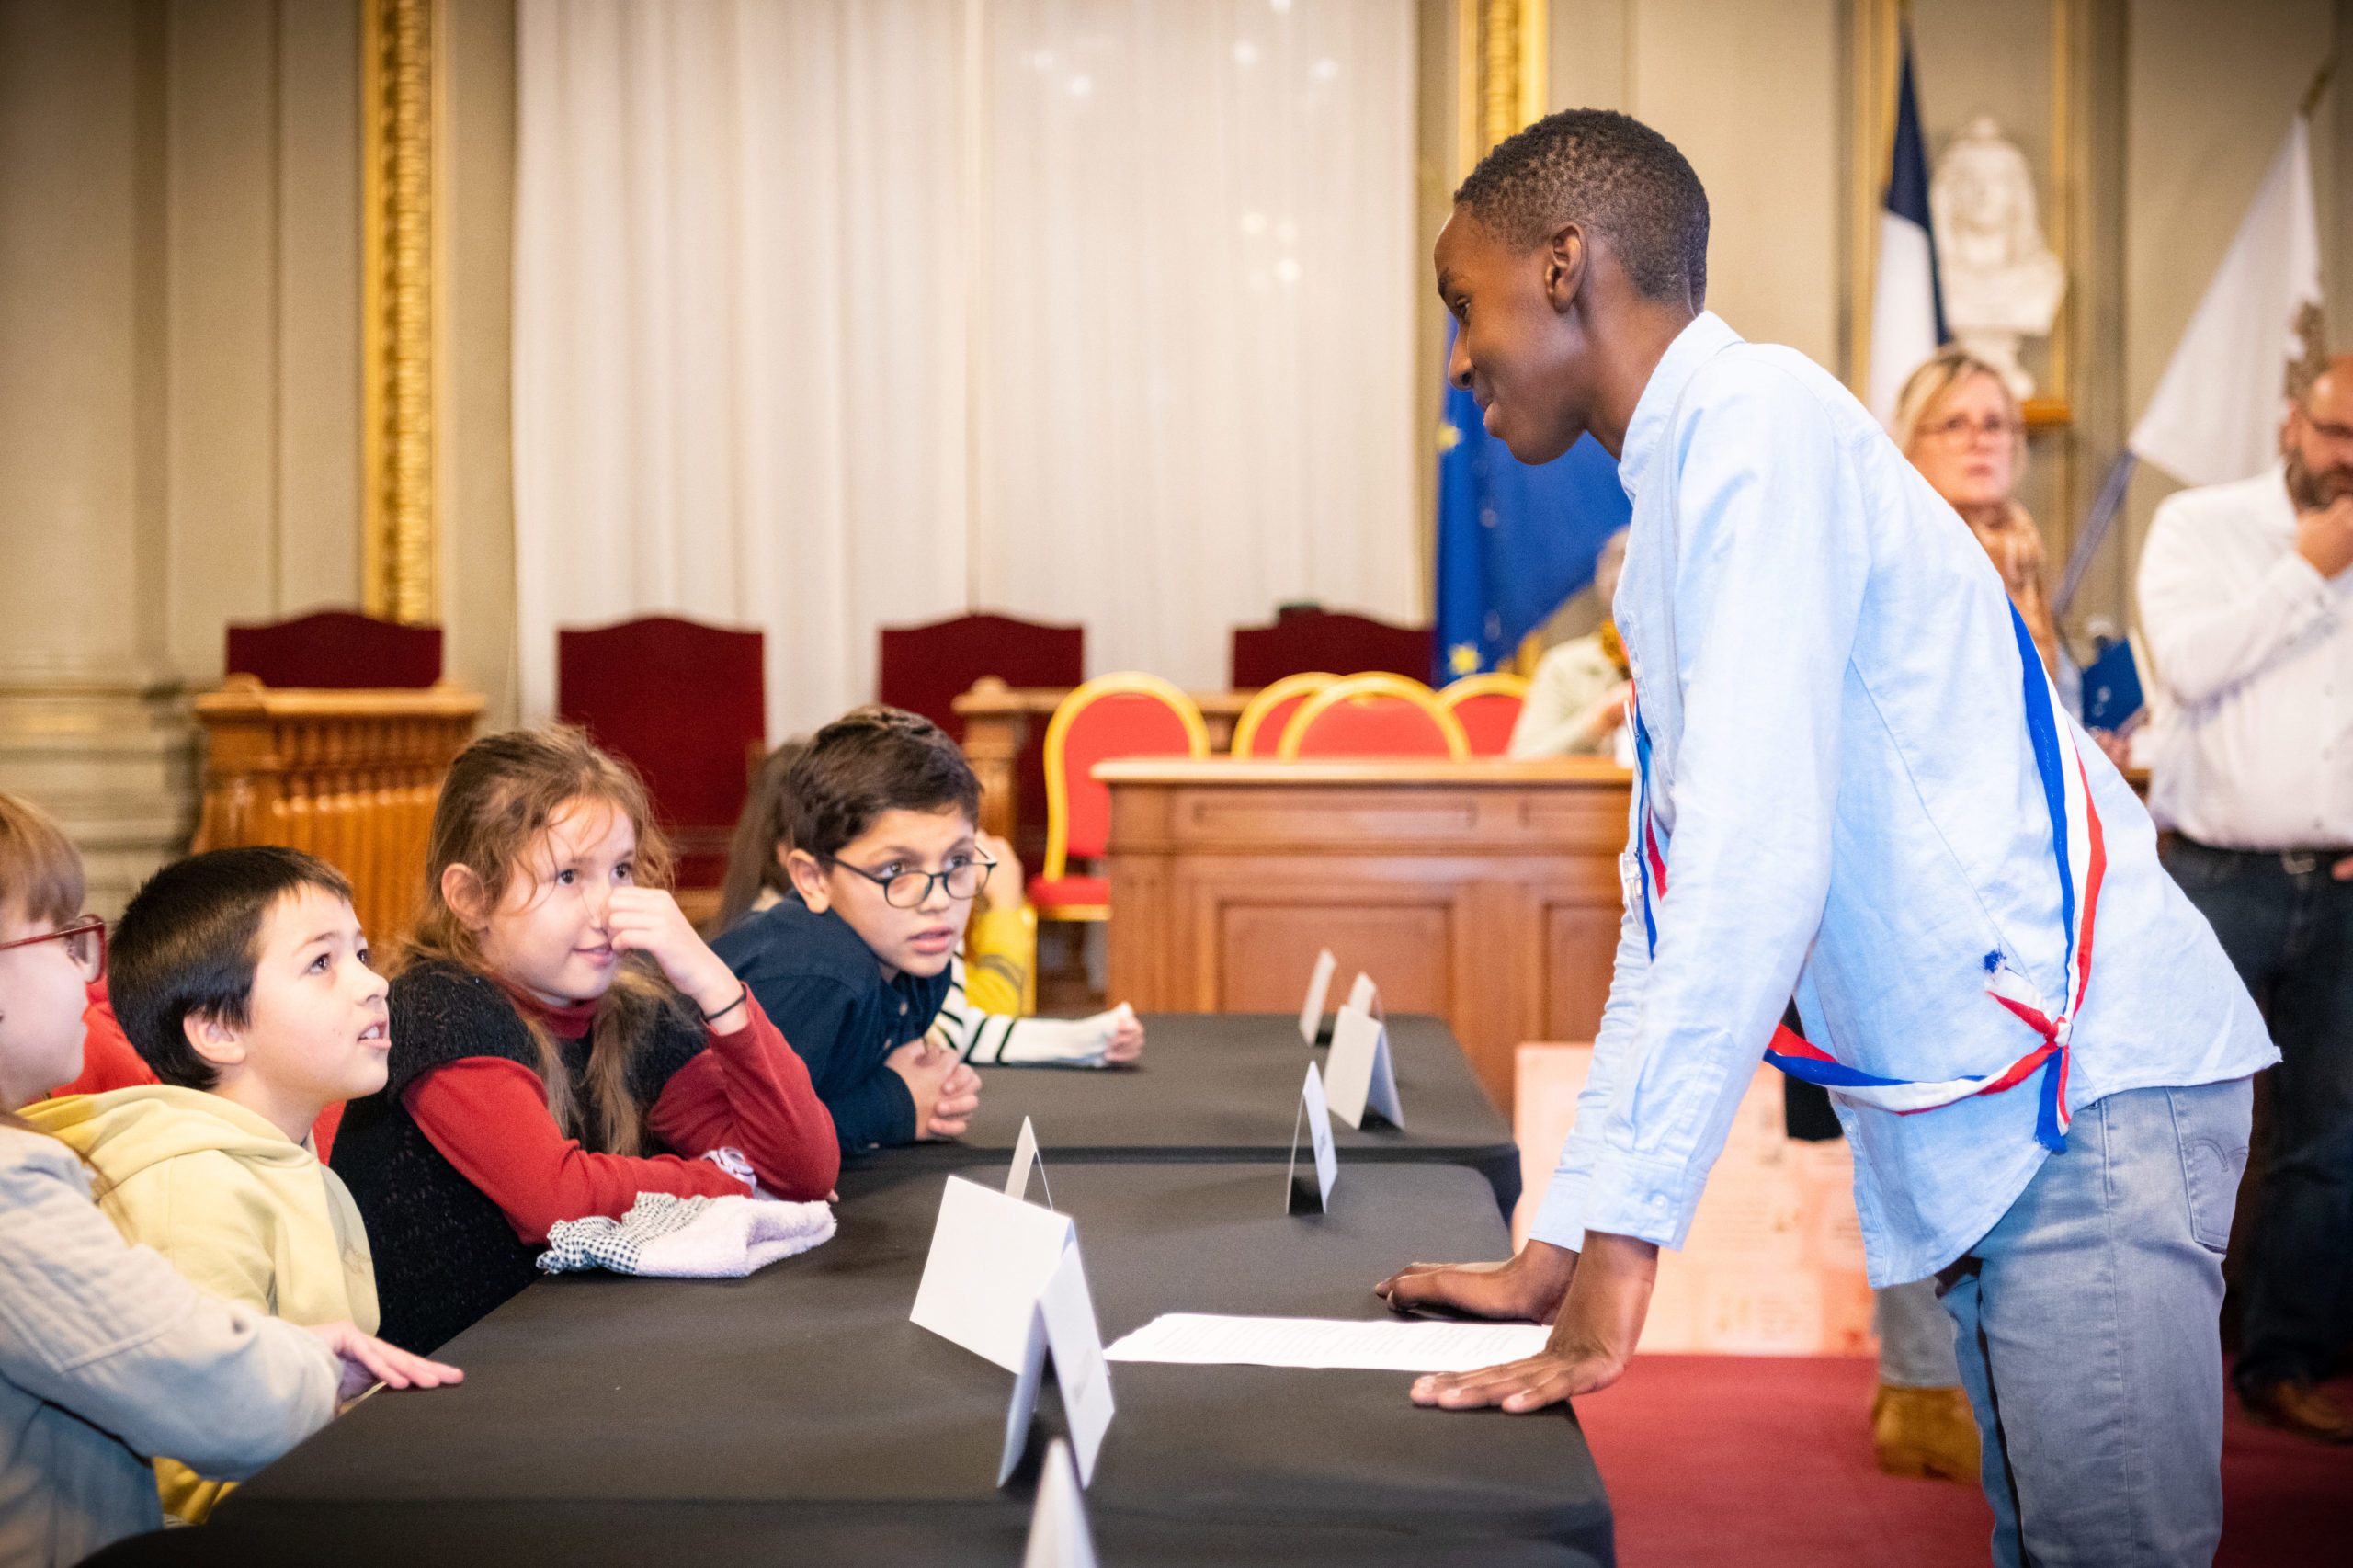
<point x="445" y="1255"/>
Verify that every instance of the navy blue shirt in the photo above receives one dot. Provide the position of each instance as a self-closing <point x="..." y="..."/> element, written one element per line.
<point x="822" y="988"/>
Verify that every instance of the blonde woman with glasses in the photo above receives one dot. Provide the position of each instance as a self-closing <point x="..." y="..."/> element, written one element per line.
<point x="1958" y="423"/>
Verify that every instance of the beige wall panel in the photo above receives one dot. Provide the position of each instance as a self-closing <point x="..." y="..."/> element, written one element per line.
<point x="1751" y="95"/>
<point x="69" y="349"/>
<point x="476" y="156"/>
<point x="2210" y="92"/>
<point x="221" y="398"/>
<point x="318" y="340"/>
<point x="1586" y="65"/>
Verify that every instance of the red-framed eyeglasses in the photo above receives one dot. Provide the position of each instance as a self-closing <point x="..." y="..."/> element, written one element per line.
<point x="86" y="939"/>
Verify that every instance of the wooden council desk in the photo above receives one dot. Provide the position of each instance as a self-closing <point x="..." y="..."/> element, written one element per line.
<point x="1483" y="891"/>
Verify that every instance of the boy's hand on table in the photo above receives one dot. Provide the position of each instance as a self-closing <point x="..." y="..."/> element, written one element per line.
<point x="960" y="1096"/>
<point x="1127" y="1036"/>
<point x="946" y="1091"/>
<point x="1529" y="1287"/>
<point x="1599" y="1322"/>
<point x="649" y="920"/>
<point x="367" y="1360"/>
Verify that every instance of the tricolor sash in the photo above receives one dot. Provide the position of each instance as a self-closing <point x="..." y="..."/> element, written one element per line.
<point x="2076" y="842"/>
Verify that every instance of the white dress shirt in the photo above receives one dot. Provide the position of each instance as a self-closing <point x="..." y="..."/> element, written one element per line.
<point x="1841" y="767"/>
<point x="2255" y="650"/>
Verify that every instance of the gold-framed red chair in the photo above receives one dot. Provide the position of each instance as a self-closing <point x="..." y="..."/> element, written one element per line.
<point x="1486" y="706"/>
<point x="1258" y="728"/>
<point x="1375" y="715"/>
<point x="1130" y="714"/>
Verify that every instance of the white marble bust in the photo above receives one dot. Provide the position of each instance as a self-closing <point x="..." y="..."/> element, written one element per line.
<point x="2000" y="282"/>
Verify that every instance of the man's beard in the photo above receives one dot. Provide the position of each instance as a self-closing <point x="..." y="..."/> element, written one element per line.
<point x="2312" y="490"/>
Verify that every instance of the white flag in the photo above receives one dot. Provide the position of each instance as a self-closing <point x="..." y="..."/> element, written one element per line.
<point x="2215" y="415"/>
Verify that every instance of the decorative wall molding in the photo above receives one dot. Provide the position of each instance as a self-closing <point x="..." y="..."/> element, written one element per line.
<point x="1500" y="53"/>
<point x="401" y="304"/>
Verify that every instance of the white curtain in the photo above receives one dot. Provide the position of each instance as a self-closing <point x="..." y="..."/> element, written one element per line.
<point x="1194" y="390"/>
<point x="825" y="322"/>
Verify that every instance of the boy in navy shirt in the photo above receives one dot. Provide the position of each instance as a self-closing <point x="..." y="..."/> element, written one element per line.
<point x="852" y="965"/>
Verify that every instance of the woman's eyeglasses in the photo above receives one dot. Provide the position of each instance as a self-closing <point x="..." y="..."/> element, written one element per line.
<point x="909" y="889"/>
<point x="86" y="943"/>
<point x="1960" y="429"/>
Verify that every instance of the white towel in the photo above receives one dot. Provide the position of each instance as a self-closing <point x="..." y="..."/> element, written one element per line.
<point x="688" y="1238"/>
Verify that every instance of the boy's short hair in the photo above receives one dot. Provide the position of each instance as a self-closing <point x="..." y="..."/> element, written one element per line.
<point x="189" y="942"/>
<point x="868" y="761"/>
<point x="1611" y="173"/>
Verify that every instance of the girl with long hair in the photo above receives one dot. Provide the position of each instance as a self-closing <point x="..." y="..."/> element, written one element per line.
<point x="562" y="1040"/>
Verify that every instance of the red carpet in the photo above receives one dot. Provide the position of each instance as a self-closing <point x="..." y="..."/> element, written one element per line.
<point x="1767" y="1461"/>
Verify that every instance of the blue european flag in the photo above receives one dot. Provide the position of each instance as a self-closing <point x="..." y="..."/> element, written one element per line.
<point x="1513" y="541"/>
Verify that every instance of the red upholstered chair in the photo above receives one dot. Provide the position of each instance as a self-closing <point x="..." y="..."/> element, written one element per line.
<point x="338" y="650"/>
<point x="1486" y="706"/>
<point x="1304" y="638"/>
<point x="1259" y="726"/>
<point x="925" y="668"/>
<point x="1119" y="715"/>
<point x="686" y="705"/>
<point x="1375" y="715"/>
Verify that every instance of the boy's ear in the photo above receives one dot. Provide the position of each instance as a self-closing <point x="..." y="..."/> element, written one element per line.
<point x="809" y="878"/>
<point x="1568" y="256"/>
<point x="212" y="1040"/>
<point x="463" y="892"/>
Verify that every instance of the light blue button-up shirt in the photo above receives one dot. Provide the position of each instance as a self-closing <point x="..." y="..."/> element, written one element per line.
<point x="1841" y="770"/>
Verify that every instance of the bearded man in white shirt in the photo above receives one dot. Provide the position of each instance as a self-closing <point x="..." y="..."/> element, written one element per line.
<point x="2246" y="600"/>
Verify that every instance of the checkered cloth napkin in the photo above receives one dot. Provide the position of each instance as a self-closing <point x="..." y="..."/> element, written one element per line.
<point x="688" y="1238"/>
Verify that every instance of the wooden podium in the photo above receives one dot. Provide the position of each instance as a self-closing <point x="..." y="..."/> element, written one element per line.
<point x="350" y="775"/>
<point x="1484" y="891"/>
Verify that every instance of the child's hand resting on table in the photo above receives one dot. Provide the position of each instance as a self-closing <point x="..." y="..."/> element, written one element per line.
<point x="1126" y="1043"/>
<point x="368" y="1361"/>
<point x="946" y="1091"/>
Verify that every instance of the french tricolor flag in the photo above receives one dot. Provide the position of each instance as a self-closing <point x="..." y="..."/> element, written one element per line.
<point x="1908" y="306"/>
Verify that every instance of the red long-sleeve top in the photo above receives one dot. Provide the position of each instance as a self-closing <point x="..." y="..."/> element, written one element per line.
<point x="488" y="1116"/>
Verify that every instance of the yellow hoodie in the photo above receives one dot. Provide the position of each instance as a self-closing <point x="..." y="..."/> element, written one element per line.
<point x="231" y="1203"/>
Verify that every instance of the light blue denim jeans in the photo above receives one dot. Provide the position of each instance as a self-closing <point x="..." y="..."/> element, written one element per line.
<point x="2089" y="1338"/>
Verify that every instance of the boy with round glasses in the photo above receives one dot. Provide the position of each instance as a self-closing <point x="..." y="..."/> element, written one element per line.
<point x="884" y="858"/>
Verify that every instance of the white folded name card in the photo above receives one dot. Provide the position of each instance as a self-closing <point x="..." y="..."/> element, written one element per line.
<point x="1303" y="1196"/>
<point x="991" y="1258"/>
<point x="1365" y="996"/>
<point x="1063" y="1326"/>
<point x="1362" y="1077"/>
<point x="1319" y="984"/>
<point x="1025" y="1160"/>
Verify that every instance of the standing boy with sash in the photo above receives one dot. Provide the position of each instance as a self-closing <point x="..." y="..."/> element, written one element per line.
<point x="1855" y="785"/>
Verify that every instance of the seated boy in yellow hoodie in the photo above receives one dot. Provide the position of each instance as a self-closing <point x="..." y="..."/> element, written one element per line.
<point x="241" y="978"/>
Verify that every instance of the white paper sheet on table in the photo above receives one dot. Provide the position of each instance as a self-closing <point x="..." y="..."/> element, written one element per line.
<point x="1378" y="1344"/>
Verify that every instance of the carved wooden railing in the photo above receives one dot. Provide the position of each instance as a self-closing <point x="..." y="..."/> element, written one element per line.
<point x="350" y="777"/>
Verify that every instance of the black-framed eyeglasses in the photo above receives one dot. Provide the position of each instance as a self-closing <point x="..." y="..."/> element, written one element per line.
<point x="86" y="941"/>
<point x="909" y="889"/>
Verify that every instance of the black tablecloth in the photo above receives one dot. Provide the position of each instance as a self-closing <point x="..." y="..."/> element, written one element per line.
<point x="798" y="1416"/>
<point x="1225" y="1086"/>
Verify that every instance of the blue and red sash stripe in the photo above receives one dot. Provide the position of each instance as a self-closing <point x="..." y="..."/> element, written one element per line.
<point x="2077" y="838"/>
